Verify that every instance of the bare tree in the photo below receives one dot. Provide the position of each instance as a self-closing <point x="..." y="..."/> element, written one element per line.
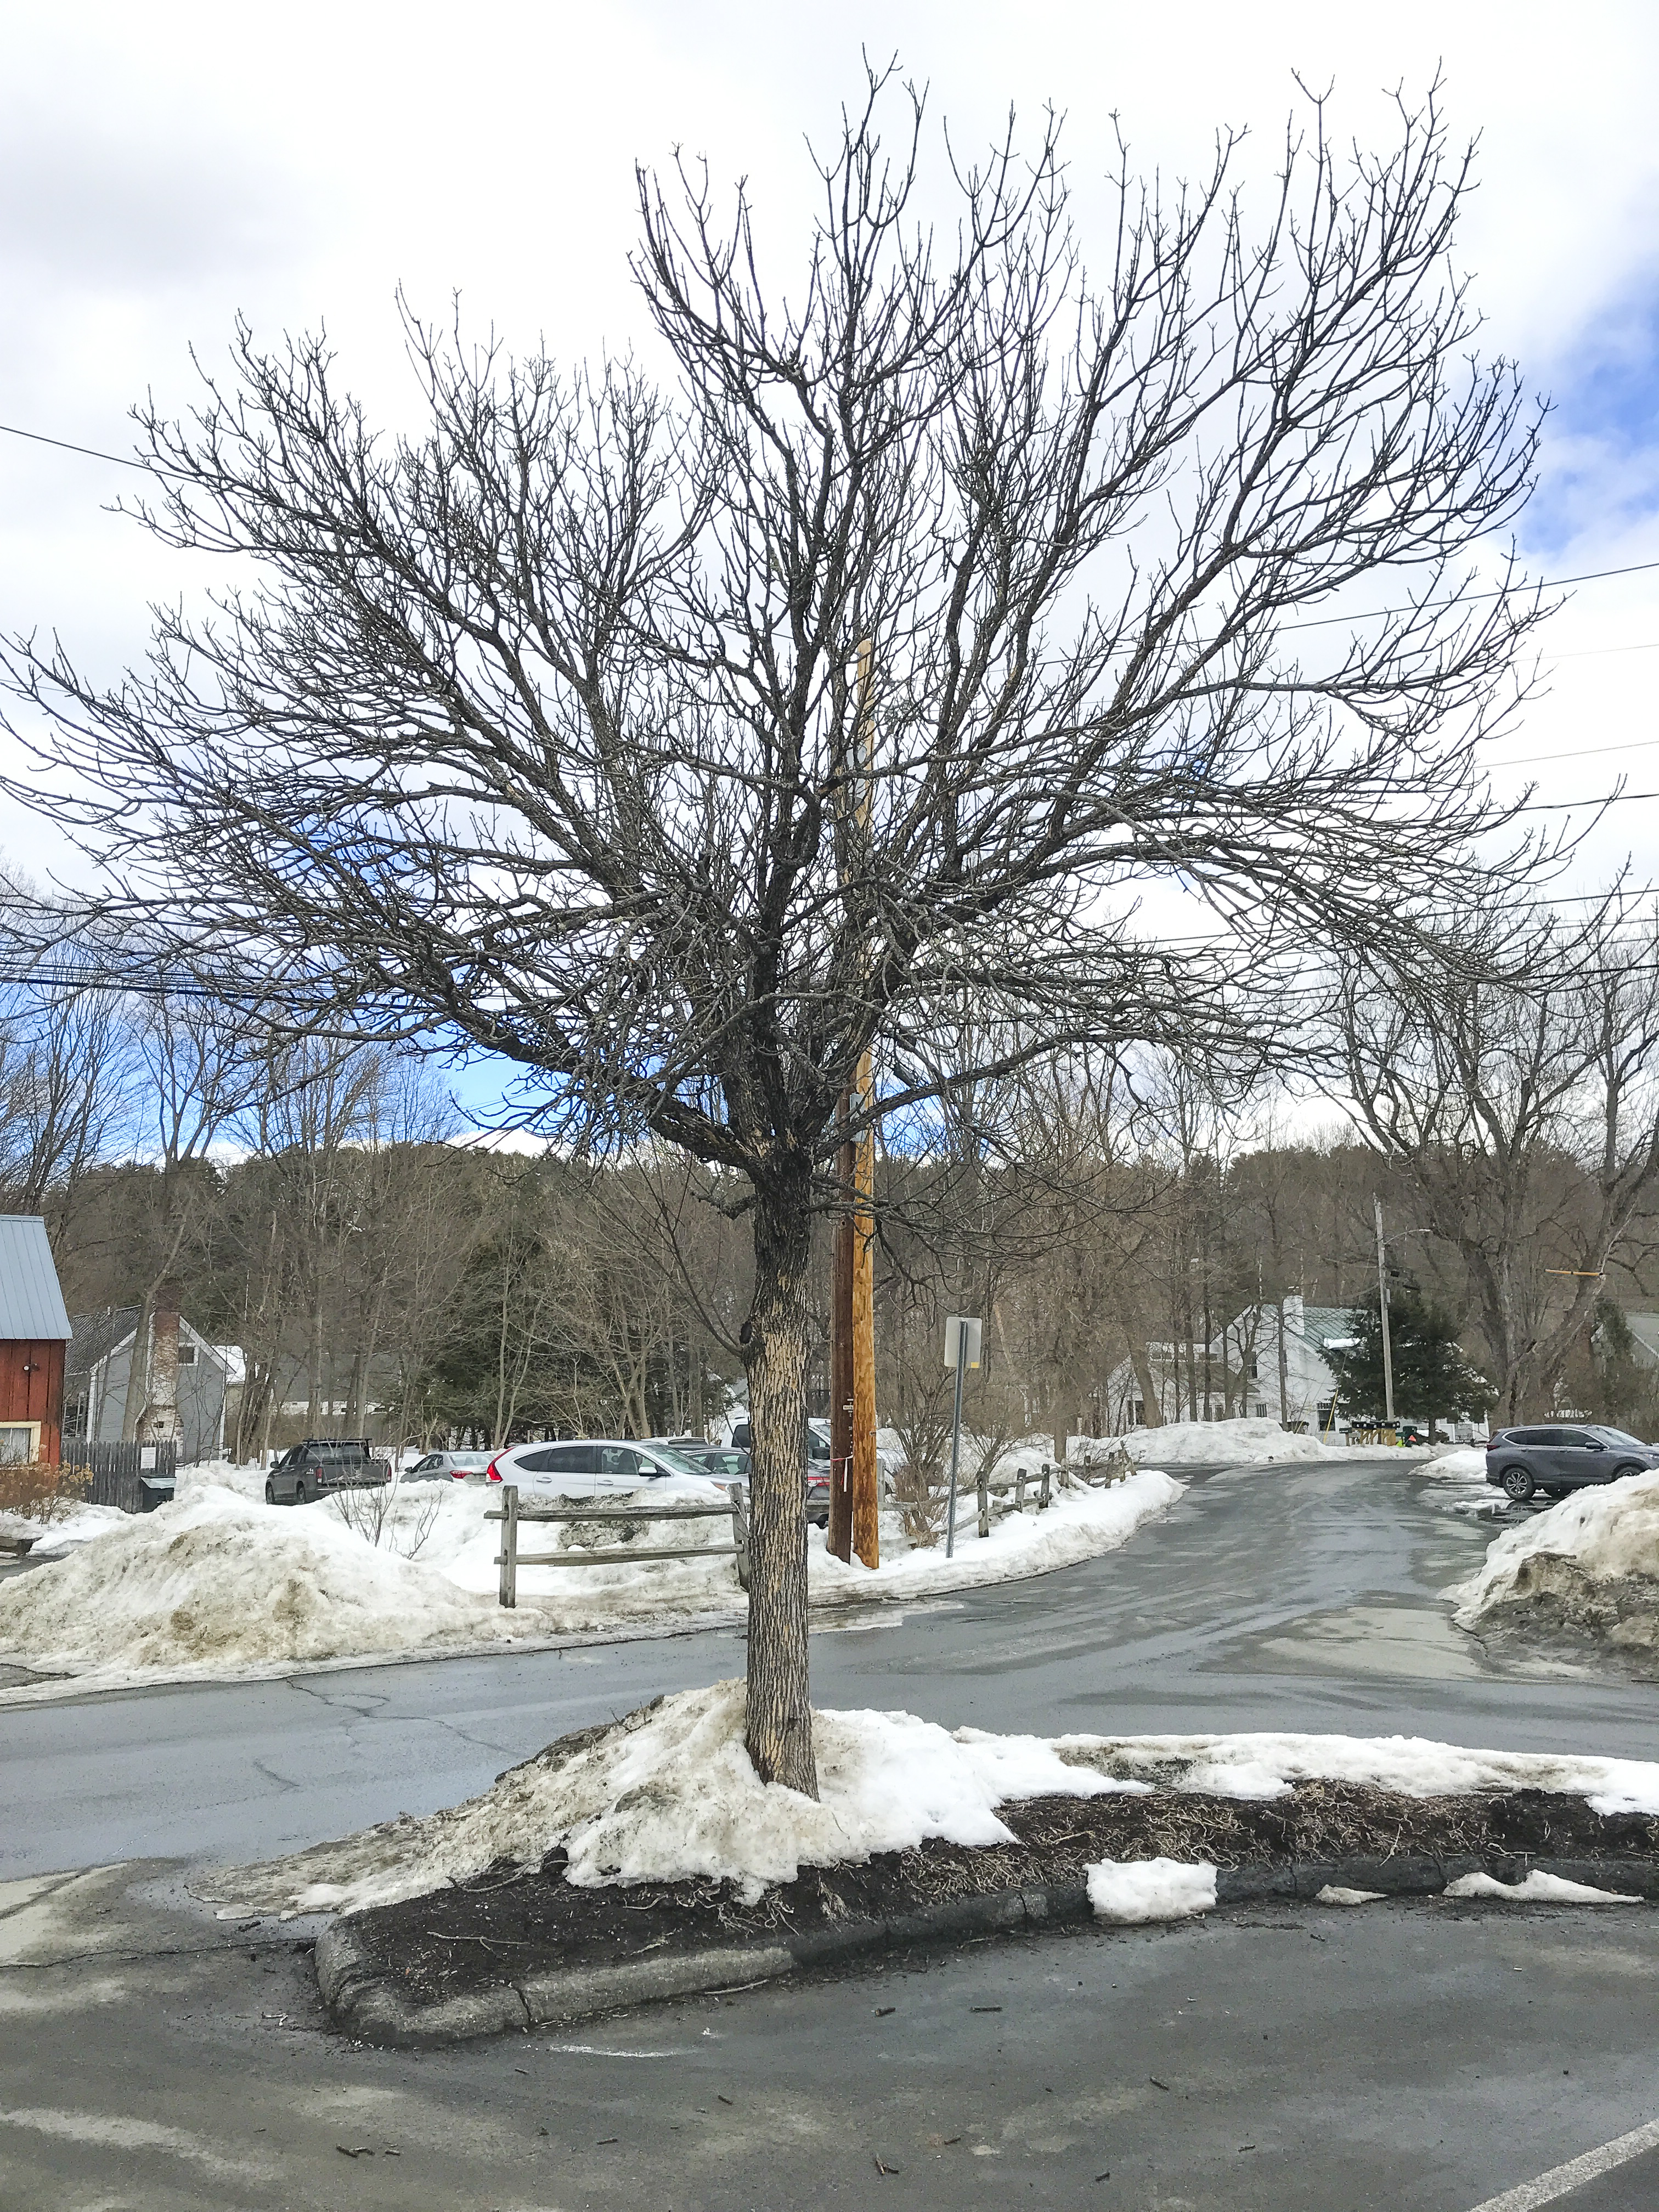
<point x="1488" y="1080"/>
<point x="543" y="730"/>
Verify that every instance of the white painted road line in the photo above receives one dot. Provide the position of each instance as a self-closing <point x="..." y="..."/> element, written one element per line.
<point x="1562" y="2180"/>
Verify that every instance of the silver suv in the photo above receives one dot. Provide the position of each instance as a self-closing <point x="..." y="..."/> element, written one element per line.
<point x="1555" y="1459"/>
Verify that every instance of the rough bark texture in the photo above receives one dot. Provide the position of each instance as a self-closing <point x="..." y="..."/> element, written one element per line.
<point x="780" y="1728"/>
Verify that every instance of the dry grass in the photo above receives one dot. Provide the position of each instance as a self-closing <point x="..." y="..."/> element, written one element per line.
<point x="42" y="1491"/>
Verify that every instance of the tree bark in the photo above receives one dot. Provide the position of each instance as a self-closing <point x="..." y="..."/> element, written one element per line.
<point x="774" y="1340"/>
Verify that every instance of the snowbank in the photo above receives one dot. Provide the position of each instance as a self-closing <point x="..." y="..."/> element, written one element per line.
<point x="218" y="1584"/>
<point x="1222" y="1444"/>
<point x="668" y="1793"/>
<point x="1266" y="1765"/>
<point x="1590" y="1564"/>
<point x="1080" y="1524"/>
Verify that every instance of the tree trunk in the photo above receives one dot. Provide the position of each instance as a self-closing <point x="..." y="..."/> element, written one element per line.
<point x="774" y="1340"/>
<point x="1284" y="1367"/>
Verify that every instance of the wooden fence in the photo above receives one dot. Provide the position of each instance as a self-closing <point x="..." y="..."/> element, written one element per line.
<point x="120" y="1472"/>
<point x="514" y="1512"/>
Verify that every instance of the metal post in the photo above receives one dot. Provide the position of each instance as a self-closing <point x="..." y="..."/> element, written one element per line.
<point x="1383" y="1307"/>
<point x="510" y="1544"/>
<point x="956" y="1440"/>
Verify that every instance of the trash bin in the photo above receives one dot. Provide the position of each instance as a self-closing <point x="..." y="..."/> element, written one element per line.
<point x="153" y="1489"/>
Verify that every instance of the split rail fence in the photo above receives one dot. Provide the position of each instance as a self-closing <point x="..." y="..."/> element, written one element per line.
<point x="513" y="1514"/>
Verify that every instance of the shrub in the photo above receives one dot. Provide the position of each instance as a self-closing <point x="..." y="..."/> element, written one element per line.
<point x="42" y="1491"/>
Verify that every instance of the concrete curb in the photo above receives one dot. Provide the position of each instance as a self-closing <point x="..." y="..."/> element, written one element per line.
<point x="368" y="2001"/>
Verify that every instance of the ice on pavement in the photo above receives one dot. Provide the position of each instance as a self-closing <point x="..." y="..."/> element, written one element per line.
<point x="669" y="1793"/>
<point x="1130" y="1891"/>
<point x="1591" y="1562"/>
<point x="218" y="1583"/>
<point x="1538" y="1888"/>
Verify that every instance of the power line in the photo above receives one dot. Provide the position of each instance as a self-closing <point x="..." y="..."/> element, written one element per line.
<point x="1544" y="584"/>
<point x="93" y="452"/>
<point x="1316" y="621"/>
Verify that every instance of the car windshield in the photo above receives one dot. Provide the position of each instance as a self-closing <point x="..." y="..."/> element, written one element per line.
<point x="676" y="1462"/>
<point x="1622" y="1437"/>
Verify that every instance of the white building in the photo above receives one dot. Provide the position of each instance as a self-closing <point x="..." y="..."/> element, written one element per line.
<point x="1244" y="1371"/>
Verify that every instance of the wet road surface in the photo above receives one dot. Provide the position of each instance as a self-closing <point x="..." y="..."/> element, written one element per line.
<point x="1423" y="2055"/>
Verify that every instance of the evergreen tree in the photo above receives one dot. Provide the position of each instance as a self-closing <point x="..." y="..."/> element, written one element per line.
<point x="1432" y="1380"/>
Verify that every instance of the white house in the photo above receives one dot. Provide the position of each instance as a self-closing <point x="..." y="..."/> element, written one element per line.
<point x="1245" y="1351"/>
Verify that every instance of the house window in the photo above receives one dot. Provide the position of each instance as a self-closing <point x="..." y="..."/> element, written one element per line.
<point x="19" y="1440"/>
<point x="1255" y="1373"/>
<point x="187" y="1355"/>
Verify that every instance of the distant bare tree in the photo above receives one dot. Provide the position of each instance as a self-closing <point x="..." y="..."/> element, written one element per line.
<point x="544" y="730"/>
<point x="1489" y="1081"/>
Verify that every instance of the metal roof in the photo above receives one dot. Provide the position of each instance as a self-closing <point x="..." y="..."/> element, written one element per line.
<point x="31" y="1304"/>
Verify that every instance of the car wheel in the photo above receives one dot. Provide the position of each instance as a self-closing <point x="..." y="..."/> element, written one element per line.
<point x="1620" y="1472"/>
<point x="270" y="1493"/>
<point x="301" y="1495"/>
<point x="1518" y="1484"/>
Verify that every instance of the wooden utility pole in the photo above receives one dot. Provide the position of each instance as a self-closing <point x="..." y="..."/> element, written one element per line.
<point x="866" y="1479"/>
<point x="840" y="1536"/>
<point x="854" y="1479"/>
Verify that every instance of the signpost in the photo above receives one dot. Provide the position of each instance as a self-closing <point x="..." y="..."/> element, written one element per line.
<point x="961" y="1336"/>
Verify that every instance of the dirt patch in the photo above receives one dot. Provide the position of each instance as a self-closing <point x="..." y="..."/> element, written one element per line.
<point x="502" y="1925"/>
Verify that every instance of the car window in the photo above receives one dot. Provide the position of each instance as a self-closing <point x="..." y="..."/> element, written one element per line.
<point x="675" y="1462"/>
<point x="1573" y="1439"/>
<point x="740" y="1435"/>
<point x="620" y="1462"/>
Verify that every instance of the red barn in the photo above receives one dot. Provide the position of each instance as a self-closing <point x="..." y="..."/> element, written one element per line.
<point x="34" y="1332"/>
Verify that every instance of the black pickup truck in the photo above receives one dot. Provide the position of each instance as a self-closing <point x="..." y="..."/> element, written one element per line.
<point x="322" y="1465"/>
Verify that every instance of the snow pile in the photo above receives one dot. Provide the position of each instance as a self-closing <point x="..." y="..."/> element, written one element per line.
<point x="1222" y="1444"/>
<point x="1460" y="1484"/>
<point x="1080" y="1524"/>
<point x="1267" y="1765"/>
<point x="201" y="1474"/>
<point x="1128" y="1892"/>
<point x="1590" y="1564"/>
<point x="218" y="1581"/>
<point x="669" y="1793"/>
<point x="1335" y="1893"/>
<point x="1538" y="1888"/>
<point x="79" y="1524"/>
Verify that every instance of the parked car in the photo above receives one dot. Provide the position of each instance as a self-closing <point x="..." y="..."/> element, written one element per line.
<point x="720" y="1462"/>
<point x="443" y="1466"/>
<point x="324" y="1464"/>
<point x="588" y="1467"/>
<point x="1555" y="1458"/>
<point x="817" y="1466"/>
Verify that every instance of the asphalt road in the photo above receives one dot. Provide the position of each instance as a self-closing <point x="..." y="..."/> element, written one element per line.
<point x="1425" y="2055"/>
<point x="1284" y="1599"/>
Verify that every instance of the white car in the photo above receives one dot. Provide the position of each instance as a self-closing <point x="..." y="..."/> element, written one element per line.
<point x="589" y="1468"/>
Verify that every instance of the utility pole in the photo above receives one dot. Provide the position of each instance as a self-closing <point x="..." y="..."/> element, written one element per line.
<point x="854" y="1479"/>
<point x="839" y="1535"/>
<point x="1383" y="1309"/>
<point x="866" y="1479"/>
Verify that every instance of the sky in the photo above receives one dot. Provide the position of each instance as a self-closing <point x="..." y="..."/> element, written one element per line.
<point x="166" y="168"/>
